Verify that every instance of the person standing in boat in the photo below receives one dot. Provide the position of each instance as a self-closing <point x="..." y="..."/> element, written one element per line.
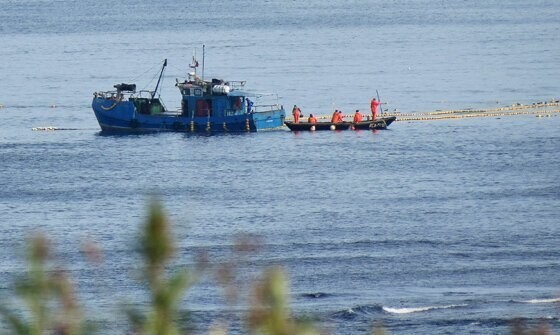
<point x="374" y="105"/>
<point x="311" y="119"/>
<point x="296" y="112"/>
<point x="249" y="106"/>
<point x="358" y="117"/>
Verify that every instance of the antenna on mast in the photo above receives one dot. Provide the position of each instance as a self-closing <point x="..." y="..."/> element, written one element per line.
<point x="194" y="63"/>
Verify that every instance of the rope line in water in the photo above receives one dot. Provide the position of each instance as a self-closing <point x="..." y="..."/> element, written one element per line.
<point x="488" y="110"/>
<point x="546" y="113"/>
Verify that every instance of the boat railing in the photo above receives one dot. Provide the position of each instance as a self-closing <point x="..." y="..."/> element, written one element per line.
<point x="236" y="84"/>
<point x="108" y="95"/>
<point x="266" y="108"/>
<point x="114" y="94"/>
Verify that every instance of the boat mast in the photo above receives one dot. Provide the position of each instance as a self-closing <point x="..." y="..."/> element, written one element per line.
<point x="159" y="79"/>
<point x="193" y="65"/>
<point x="203" y="62"/>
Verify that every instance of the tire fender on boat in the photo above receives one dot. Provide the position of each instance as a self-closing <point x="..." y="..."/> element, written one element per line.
<point x="119" y="99"/>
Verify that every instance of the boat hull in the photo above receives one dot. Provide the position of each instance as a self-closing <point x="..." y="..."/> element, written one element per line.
<point x="122" y="117"/>
<point x="301" y="126"/>
<point x="381" y="123"/>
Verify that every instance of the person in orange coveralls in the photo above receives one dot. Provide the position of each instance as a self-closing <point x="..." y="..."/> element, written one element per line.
<point x="374" y="105"/>
<point x="296" y="112"/>
<point x="337" y="117"/>
<point x="358" y="116"/>
<point x="334" y="116"/>
<point x="312" y="119"/>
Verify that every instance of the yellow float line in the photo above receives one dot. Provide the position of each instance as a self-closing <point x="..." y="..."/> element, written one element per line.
<point x="48" y="128"/>
<point x="457" y="111"/>
<point x="547" y="113"/>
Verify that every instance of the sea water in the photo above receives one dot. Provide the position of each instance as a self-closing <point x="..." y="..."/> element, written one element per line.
<point x="437" y="227"/>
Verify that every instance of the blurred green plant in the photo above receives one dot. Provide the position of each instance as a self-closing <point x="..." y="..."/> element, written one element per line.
<point x="157" y="249"/>
<point x="269" y="313"/>
<point x="48" y="296"/>
<point x="520" y="328"/>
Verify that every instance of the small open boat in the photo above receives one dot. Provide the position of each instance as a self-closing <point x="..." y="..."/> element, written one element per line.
<point x="381" y="123"/>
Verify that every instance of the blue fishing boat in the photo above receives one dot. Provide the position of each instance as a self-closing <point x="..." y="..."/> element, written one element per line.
<point x="214" y="106"/>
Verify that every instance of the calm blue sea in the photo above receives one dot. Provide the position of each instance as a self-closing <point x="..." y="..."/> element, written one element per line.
<point x="441" y="227"/>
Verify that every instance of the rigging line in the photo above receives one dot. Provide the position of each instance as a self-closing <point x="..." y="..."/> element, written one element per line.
<point x="145" y="88"/>
<point x="176" y="68"/>
<point x="143" y="73"/>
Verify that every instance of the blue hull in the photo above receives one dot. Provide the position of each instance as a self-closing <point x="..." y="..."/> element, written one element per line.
<point x="115" y="116"/>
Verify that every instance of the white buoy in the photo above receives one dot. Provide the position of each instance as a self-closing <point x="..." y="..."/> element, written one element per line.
<point x="312" y="128"/>
<point x="333" y="127"/>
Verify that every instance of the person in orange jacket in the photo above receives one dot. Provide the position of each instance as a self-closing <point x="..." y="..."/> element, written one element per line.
<point x="374" y="105"/>
<point x="296" y="112"/>
<point x="337" y="117"/>
<point x="334" y="116"/>
<point x="312" y="119"/>
<point x="358" y="117"/>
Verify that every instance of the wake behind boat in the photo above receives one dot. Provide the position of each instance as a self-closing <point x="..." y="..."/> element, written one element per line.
<point x="380" y="123"/>
<point x="206" y="106"/>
